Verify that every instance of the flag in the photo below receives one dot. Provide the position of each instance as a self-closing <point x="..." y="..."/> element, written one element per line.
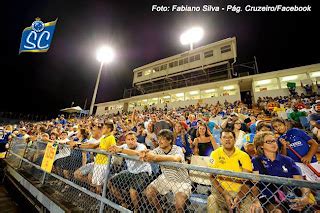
<point x="37" y="37"/>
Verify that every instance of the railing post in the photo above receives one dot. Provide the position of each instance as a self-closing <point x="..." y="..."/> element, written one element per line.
<point x="104" y="190"/>
<point x="43" y="178"/>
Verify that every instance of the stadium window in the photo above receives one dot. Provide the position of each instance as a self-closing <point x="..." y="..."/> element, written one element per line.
<point x="191" y="59"/>
<point x="163" y="67"/>
<point x="175" y="63"/>
<point x="147" y="72"/>
<point x="139" y="74"/>
<point x="225" y="49"/>
<point x="185" y="60"/>
<point x="106" y="108"/>
<point x="208" y="54"/>
<point x="197" y="57"/>
<point x="157" y="69"/>
<point x="171" y="64"/>
<point x="181" y="62"/>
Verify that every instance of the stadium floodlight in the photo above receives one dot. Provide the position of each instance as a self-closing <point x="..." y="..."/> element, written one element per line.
<point x="104" y="55"/>
<point x="191" y="36"/>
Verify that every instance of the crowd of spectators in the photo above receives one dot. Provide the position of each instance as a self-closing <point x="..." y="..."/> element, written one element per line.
<point x="270" y="138"/>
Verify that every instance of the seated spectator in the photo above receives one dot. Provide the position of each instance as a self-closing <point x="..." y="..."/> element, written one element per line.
<point x="172" y="179"/>
<point x="227" y="193"/>
<point x="137" y="176"/>
<point x="270" y="162"/>
<point x="141" y="133"/>
<point x="295" y="116"/>
<point x="292" y="141"/>
<point x="151" y="138"/>
<point x="239" y="133"/>
<point x="315" y="125"/>
<point x="204" y="143"/>
<point x="181" y="139"/>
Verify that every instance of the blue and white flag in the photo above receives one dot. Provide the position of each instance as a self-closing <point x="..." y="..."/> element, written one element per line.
<point x="38" y="37"/>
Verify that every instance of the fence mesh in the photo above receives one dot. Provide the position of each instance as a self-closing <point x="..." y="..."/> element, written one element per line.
<point x="96" y="181"/>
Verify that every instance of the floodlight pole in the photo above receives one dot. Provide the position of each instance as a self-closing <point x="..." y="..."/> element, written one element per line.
<point x="191" y="45"/>
<point x="95" y="89"/>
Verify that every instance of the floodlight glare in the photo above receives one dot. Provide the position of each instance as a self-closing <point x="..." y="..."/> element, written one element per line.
<point x="191" y="36"/>
<point x="105" y="54"/>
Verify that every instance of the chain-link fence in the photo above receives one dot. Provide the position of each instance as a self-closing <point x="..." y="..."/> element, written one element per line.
<point x="95" y="181"/>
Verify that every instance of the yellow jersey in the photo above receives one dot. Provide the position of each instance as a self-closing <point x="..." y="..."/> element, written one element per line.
<point x="238" y="161"/>
<point x="104" y="145"/>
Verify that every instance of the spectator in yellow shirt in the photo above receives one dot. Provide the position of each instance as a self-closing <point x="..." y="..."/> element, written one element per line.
<point x="101" y="161"/>
<point x="229" y="193"/>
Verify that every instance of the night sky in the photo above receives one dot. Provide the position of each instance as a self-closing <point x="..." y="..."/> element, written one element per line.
<point x="47" y="82"/>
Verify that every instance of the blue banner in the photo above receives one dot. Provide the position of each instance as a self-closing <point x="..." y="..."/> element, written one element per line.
<point x="38" y="37"/>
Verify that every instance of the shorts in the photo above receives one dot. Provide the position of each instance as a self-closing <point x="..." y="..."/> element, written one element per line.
<point x="99" y="174"/>
<point x="164" y="186"/>
<point x="86" y="169"/>
<point x="126" y="180"/>
<point x="308" y="173"/>
<point x="217" y="203"/>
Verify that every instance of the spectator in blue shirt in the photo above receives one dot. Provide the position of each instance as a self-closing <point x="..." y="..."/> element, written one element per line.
<point x="181" y="139"/>
<point x="301" y="143"/>
<point x="270" y="162"/>
<point x="62" y="120"/>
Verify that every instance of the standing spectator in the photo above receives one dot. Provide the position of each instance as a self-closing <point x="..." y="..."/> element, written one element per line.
<point x="101" y="160"/>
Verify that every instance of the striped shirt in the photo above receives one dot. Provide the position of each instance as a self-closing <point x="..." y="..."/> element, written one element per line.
<point x="173" y="173"/>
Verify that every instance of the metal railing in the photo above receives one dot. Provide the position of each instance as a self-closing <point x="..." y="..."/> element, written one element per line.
<point x="96" y="181"/>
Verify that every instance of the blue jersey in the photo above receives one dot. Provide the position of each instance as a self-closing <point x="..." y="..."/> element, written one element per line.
<point x="4" y="137"/>
<point x="282" y="166"/>
<point x="187" y="147"/>
<point x="253" y="127"/>
<point x="211" y="126"/>
<point x="298" y="140"/>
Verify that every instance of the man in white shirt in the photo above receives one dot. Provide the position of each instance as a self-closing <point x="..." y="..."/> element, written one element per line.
<point x="85" y="172"/>
<point x="137" y="176"/>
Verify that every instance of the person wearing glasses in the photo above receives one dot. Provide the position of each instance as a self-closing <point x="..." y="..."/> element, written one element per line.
<point x="270" y="162"/>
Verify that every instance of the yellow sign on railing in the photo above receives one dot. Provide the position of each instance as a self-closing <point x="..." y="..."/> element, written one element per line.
<point x="48" y="158"/>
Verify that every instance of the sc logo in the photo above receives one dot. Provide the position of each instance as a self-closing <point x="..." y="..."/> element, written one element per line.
<point x="35" y="42"/>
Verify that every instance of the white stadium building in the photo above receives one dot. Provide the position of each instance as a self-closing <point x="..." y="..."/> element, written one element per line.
<point x="205" y="75"/>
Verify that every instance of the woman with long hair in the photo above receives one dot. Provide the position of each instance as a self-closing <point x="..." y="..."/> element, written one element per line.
<point x="204" y="143"/>
<point x="239" y="133"/>
<point x="181" y="138"/>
